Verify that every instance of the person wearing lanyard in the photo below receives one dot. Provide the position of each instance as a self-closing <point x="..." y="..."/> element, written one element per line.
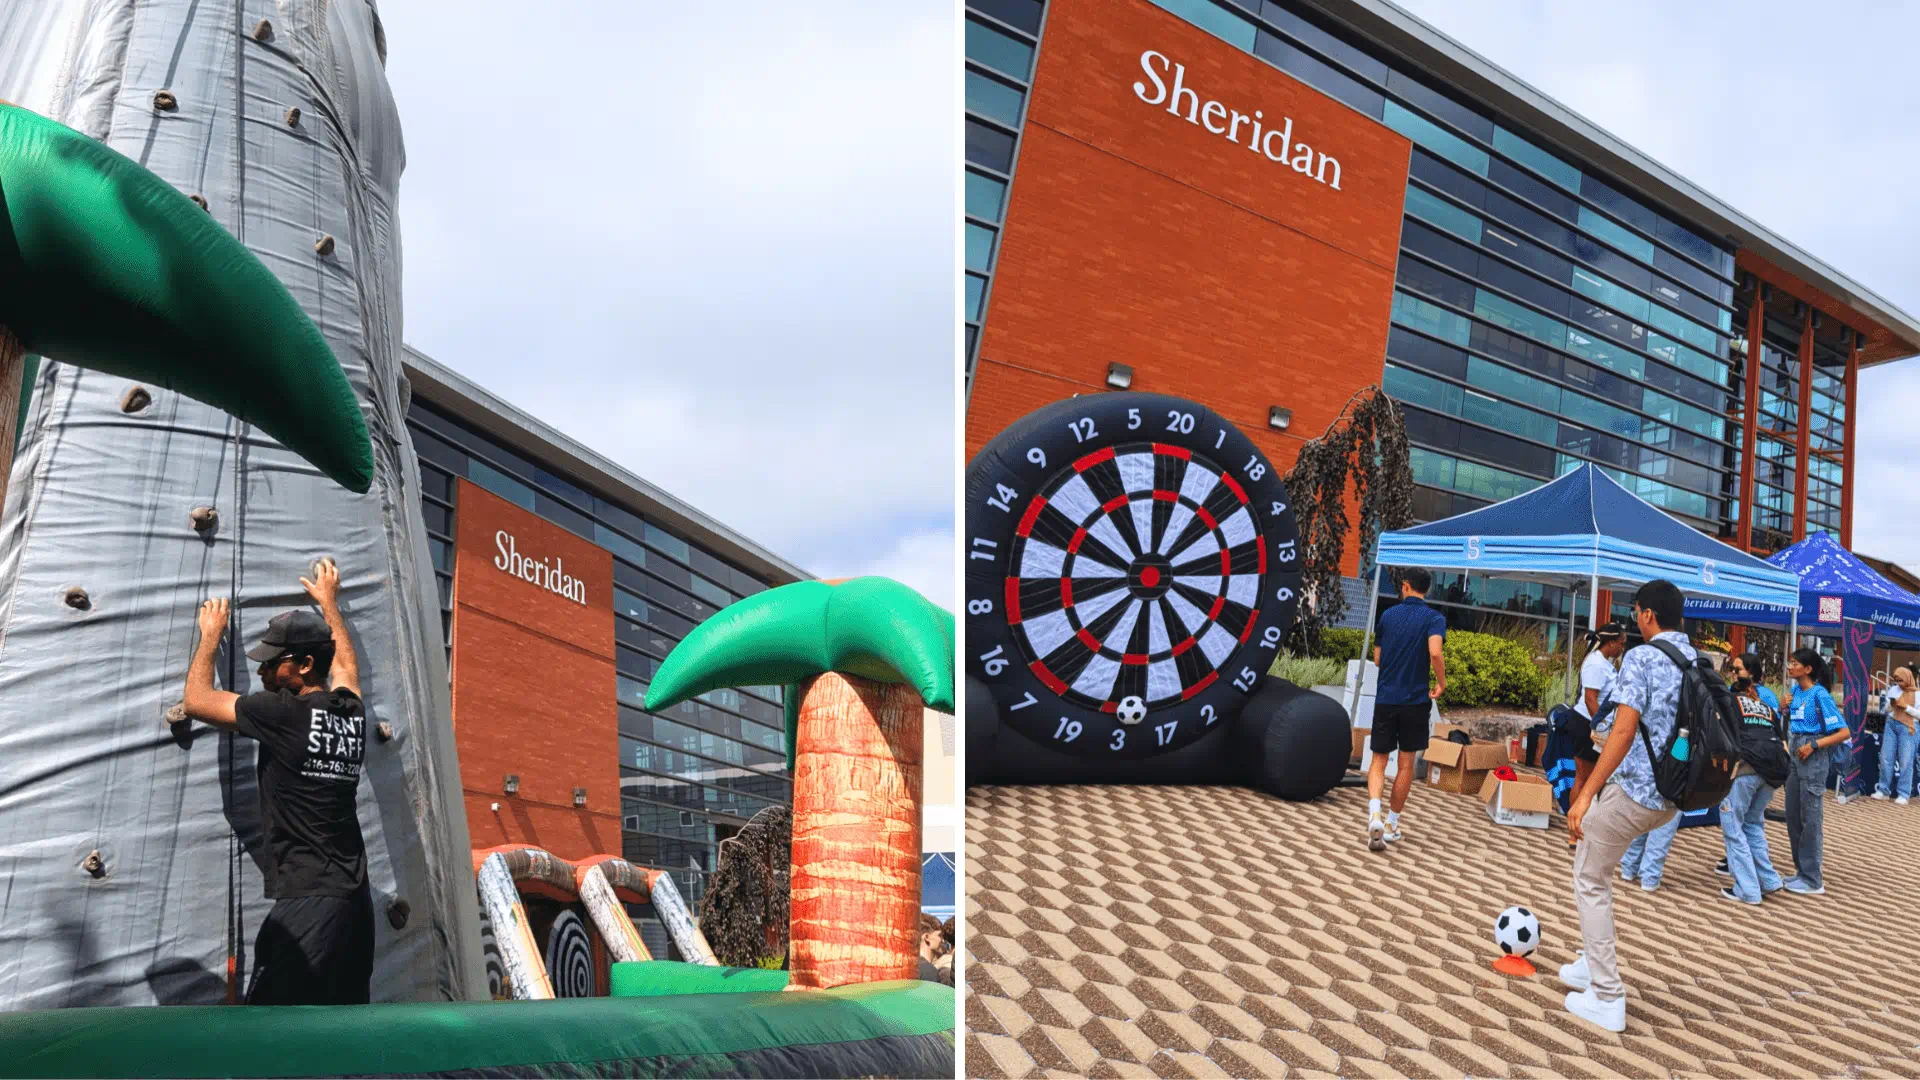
<point x="1815" y="727"/>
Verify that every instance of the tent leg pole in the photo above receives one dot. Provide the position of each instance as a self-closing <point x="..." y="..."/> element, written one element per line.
<point x="1366" y="638"/>
<point x="1793" y="632"/>
<point x="1593" y="602"/>
<point x="1572" y="615"/>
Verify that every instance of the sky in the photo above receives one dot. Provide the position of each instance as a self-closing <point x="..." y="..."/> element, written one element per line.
<point x="712" y="242"/>
<point x="1799" y="117"/>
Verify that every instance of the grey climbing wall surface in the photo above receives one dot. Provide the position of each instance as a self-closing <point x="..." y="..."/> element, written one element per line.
<point x="128" y="848"/>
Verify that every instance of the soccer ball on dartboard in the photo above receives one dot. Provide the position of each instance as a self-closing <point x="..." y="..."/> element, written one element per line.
<point x="1516" y="931"/>
<point x="1131" y="710"/>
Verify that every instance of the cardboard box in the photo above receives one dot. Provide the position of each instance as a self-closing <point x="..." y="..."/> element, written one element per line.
<point x="1526" y="802"/>
<point x="1454" y="767"/>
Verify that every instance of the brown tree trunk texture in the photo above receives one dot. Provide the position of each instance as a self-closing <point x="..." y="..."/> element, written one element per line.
<point x="13" y="358"/>
<point x="856" y="833"/>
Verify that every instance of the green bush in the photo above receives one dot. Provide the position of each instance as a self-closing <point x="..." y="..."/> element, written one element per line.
<point x="1339" y="644"/>
<point x="1483" y="669"/>
<point x="1306" y="671"/>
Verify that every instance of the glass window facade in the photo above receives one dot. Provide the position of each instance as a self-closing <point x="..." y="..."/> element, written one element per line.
<point x="1002" y="40"/>
<point x="690" y="776"/>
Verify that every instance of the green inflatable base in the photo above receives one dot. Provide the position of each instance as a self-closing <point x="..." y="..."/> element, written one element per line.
<point x="903" y="1029"/>
<point x="660" y="978"/>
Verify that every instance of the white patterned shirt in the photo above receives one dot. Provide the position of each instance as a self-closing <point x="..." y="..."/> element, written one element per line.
<point x="1648" y="683"/>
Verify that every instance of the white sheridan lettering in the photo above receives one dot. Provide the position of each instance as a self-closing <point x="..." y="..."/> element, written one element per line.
<point x="551" y="576"/>
<point x="1217" y="118"/>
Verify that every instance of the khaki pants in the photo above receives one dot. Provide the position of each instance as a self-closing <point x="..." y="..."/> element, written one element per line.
<point x="1610" y="826"/>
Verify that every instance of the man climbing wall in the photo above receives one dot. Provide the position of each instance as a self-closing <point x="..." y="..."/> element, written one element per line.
<point x="133" y="851"/>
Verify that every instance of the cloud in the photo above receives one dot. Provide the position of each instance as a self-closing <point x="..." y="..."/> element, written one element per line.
<point x="1801" y="120"/>
<point x="717" y="249"/>
<point x="923" y="560"/>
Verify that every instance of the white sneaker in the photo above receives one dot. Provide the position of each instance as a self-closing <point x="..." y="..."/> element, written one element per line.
<point x="1799" y="887"/>
<point x="1649" y="886"/>
<point x="1376" y="833"/>
<point x="1841" y="797"/>
<point x="1901" y="801"/>
<point x="1881" y="795"/>
<point x="1624" y="876"/>
<point x="1393" y="831"/>
<point x="1576" y="974"/>
<point x="1611" y="1015"/>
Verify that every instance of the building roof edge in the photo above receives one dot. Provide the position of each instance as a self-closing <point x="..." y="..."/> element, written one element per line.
<point x="1430" y="48"/>
<point x="469" y="401"/>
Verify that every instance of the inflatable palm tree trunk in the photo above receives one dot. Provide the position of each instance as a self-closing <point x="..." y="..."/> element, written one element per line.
<point x="197" y="234"/>
<point x="861" y="660"/>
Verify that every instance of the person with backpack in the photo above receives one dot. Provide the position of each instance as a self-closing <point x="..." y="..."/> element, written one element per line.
<point x="1620" y="800"/>
<point x="1763" y="767"/>
<point x="1815" y="727"/>
<point x="1900" y="738"/>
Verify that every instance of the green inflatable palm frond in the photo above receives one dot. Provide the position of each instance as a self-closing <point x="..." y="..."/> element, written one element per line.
<point x="872" y="626"/>
<point x="105" y="265"/>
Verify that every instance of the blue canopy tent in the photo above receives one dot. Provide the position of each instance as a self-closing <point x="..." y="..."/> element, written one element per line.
<point x="1834" y="584"/>
<point x="1584" y="529"/>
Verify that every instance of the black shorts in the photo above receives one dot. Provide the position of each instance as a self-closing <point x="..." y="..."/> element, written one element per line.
<point x="1580" y="730"/>
<point x="315" y="950"/>
<point x="1400" y="727"/>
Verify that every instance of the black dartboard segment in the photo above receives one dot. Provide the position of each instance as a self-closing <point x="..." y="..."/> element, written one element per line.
<point x="1132" y="568"/>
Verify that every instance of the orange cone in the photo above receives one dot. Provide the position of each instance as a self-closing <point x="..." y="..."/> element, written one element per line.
<point x="1517" y="966"/>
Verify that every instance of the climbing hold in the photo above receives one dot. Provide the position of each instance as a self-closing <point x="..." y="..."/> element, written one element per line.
<point x="324" y="246"/>
<point x="135" y="399"/>
<point x="397" y="911"/>
<point x="165" y="101"/>
<point x="94" y="864"/>
<point x="77" y="598"/>
<point x="201" y="202"/>
<point x="293" y="116"/>
<point x="205" y="519"/>
<point x="264" y="31"/>
<point x="385" y="731"/>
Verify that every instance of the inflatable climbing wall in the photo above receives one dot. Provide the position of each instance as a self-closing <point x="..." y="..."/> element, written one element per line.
<point x="129" y="848"/>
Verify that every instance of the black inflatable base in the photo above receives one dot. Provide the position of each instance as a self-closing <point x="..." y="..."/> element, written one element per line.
<point x="1287" y="741"/>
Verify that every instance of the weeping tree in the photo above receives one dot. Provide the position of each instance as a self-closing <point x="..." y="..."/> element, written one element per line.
<point x="1365" y="449"/>
<point x="745" y="911"/>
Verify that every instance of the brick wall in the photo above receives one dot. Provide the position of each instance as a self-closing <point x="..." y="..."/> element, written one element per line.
<point x="1133" y="236"/>
<point x="533" y="685"/>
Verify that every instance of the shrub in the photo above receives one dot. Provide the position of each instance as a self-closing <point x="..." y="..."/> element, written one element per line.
<point x="1483" y="669"/>
<point x="1306" y="671"/>
<point x="1339" y="644"/>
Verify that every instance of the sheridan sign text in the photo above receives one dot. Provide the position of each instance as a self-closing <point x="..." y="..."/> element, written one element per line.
<point x="1249" y="130"/>
<point x="549" y="576"/>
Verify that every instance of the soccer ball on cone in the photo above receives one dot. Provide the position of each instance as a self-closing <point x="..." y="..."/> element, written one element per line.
<point x="1517" y="932"/>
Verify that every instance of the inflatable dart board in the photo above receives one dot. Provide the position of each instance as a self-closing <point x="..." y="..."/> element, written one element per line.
<point x="1132" y="567"/>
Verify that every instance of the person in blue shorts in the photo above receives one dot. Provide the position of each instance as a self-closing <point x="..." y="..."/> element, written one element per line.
<point x="1814" y="727"/>
<point x="1406" y="651"/>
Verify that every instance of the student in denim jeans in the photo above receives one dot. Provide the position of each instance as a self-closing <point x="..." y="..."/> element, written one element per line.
<point x="1743" y="815"/>
<point x="1898" y="743"/>
<point x="1814" y="728"/>
<point x="1646" y="858"/>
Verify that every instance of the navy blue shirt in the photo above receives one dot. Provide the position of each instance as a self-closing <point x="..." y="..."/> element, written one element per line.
<point x="1404" y="630"/>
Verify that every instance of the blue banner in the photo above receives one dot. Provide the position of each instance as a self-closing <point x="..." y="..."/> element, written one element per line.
<point x="1856" y="669"/>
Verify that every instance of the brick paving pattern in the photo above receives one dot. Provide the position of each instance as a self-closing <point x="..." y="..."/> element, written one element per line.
<point x="1214" y="931"/>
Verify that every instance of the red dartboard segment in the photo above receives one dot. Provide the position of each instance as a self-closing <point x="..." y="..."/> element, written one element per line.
<point x="1201" y="513"/>
<point x="1234" y="486"/>
<point x="1115" y="503"/>
<point x="1013" y="601"/>
<point x="1027" y="519"/>
<point x="1180" y="452"/>
<point x="1053" y="681"/>
<point x="1260" y="545"/>
<point x="1093" y="459"/>
<point x="1205" y="682"/>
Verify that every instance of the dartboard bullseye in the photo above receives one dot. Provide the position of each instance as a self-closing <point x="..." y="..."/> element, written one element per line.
<point x="1132" y="568"/>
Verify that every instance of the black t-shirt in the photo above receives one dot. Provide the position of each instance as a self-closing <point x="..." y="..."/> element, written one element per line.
<point x="311" y="750"/>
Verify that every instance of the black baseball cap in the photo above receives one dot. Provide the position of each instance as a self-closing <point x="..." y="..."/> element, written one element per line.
<point x="291" y="632"/>
<point x="1611" y="629"/>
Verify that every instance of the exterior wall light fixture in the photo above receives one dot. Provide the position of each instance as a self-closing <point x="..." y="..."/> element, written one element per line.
<point x="1119" y="376"/>
<point x="513" y="784"/>
<point x="1278" y="418"/>
<point x="579" y="796"/>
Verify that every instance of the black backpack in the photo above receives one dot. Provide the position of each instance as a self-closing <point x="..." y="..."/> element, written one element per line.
<point x="1708" y="718"/>
<point x="1764" y="748"/>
